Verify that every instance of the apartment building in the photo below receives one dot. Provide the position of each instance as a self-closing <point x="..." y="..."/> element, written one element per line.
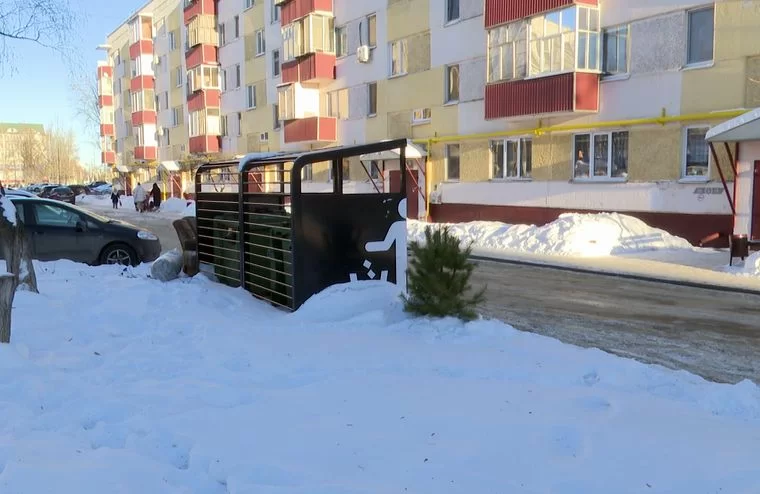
<point x="21" y="146"/>
<point x="521" y="110"/>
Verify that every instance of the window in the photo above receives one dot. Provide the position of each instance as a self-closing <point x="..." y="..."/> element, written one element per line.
<point x="552" y="41"/>
<point x="292" y="35"/>
<point x="341" y="41"/>
<point x="588" y="38"/>
<point x="276" y="63"/>
<point x="144" y="100"/>
<point x="49" y="215"/>
<point x="701" y="35"/>
<point x="261" y="44"/>
<point x="372" y="31"/>
<point x="275" y="116"/>
<point x="346" y="170"/>
<point x="511" y="158"/>
<point x="452" y="161"/>
<point x="374" y="170"/>
<point x="223" y="76"/>
<point x="421" y="116"/>
<point x="615" y="51"/>
<point x="238" y="76"/>
<point x="275" y="12"/>
<point x="205" y="122"/>
<point x="172" y="41"/>
<point x="508" y="52"/>
<point x="178" y="76"/>
<point x="165" y="100"/>
<point x="452" y="10"/>
<point x="398" y="57"/>
<point x="250" y="96"/>
<point x="452" y="83"/>
<point x="236" y="26"/>
<point x="337" y="104"/>
<point x="239" y="124"/>
<point x="307" y="173"/>
<point x="248" y="4"/>
<point x="202" y="77"/>
<point x="176" y="116"/>
<point x="602" y="155"/>
<point x="286" y="102"/>
<point x="222" y="34"/>
<point x="372" y="99"/>
<point x="696" y="153"/>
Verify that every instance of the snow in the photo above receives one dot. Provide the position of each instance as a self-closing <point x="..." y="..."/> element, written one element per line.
<point x="175" y="205"/>
<point x="580" y="235"/>
<point x="172" y="206"/>
<point x="255" y="156"/>
<point x="214" y="392"/>
<point x="9" y="210"/>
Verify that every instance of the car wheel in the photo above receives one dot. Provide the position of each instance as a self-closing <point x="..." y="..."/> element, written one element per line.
<point x="119" y="254"/>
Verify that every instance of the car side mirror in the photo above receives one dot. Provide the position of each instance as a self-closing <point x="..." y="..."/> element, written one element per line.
<point x="81" y="226"/>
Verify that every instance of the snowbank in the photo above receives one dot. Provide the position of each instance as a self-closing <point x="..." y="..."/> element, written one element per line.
<point x="586" y="235"/>
<point x="174" y="205"/>
<point x="9" y="210"/>
<point x="752" y="265"/>
<point x="215" y="392"/>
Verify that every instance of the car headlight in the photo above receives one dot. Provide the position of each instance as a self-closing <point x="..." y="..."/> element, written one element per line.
<point x="146" y="235"/>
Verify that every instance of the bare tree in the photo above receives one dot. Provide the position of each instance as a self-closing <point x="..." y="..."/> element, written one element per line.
<point x="19" y="269"/>
<point x="48" y="23"/>
<point x="31" y="152"/>
<point x="61" y="155"/>
<point x="85" y="93"/>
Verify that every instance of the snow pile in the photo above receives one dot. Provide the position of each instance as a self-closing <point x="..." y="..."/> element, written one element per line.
<point x="174" y="205"/>
<point x="585" y="235"/>
<point x="9" y="210"/>
<point x="190" y="209"/>
<point x="752" y="265"/>
<point x="216" y="393"/>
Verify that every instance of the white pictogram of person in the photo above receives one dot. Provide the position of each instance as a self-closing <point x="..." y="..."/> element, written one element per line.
<point x="396" y="235"/>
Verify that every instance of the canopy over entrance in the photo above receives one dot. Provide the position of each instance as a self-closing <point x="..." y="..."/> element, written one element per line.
<point x="413" y="152"/>
<point x="743" y="128"/>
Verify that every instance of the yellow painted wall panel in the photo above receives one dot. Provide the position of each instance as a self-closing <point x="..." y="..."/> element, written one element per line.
<point x="407" y="17"/>
<point x="654" y="153"/>
<point x="420" y="90"/>
<point x="721" y="87"/>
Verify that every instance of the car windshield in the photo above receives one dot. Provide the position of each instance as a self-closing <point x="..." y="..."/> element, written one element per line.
<point x="83" y="212"/>
<point x="63" y="190"/>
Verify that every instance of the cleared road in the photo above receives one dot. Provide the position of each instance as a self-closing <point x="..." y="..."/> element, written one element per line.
<point x="708" y="332"/>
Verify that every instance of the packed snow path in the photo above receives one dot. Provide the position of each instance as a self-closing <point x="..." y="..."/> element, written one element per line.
<point x="710" y="333"/>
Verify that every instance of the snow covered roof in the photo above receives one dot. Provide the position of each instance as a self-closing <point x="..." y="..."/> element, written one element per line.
<point x="170" y="166"/>
<point x="256" y="156"/>
<point x="122" y="169"/>
<point x="745" y="127"/>
<point x="413" y="151"/>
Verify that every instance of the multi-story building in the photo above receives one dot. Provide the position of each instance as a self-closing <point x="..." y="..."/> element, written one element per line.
<point x="22" y="150"/>
<point x="521" y="109"/>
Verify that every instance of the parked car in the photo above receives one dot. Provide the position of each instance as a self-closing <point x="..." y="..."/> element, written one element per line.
<point x="63" y="231"/>
<point x="63" y="194"/>
<point x="19" y="192"/>
<point x="80" y="189"/>
<point x="45" y="190"/>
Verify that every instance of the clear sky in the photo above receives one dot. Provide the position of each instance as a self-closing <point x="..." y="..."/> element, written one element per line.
<point x="39" y="91"/>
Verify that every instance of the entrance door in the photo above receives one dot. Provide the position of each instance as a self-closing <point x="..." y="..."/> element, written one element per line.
<point x="755" y="231"/>
<point x="412" y="190"/>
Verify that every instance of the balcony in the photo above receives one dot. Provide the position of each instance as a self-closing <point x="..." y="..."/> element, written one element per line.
<point x="107" y="130"/>
<point x="205" y="144"/>
<point x="563" y="93"/>
<point x="141" y="83"/>
<point x="201" y="55"/>
<point x="205" y="98"/>
<point x="108" y="157"/>
<point x="198" y="7"/>
<point x="141" y="47"/>
<point x="501" y="11"/>
<point x="315" y="67"/>
<point x="144" y="117"/>
<point x="105" y="71"/>
<point x="311" y="130"/>
<point x="105" y="100"/>
<point x="295" y="9"/>
<point x="145" y="153"/>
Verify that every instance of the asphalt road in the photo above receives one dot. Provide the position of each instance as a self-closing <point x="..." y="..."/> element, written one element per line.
<point x="708" y="332"/>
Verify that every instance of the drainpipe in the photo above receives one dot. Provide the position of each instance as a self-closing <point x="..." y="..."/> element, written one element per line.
<point x="428" y="178"/>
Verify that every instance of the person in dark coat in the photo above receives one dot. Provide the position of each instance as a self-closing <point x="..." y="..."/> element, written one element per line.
<point x="115" y="198"/>
<point x="156" y="193"/>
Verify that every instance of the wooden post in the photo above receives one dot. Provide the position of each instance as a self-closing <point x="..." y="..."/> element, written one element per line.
<point x="7" y="292"/>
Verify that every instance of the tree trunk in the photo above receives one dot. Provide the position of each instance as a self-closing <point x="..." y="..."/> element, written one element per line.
<point x="27" y="278"/>
<point x="7" y="291"/>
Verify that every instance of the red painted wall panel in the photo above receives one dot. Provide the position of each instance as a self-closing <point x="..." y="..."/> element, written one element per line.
<point x="204" y="144"/>
<point x="207" y="98"/>
<point x="530" y="97"/>
<point x="200" y="54"/>
<point x="145" y="152"/>
<point x="317" y="66"/>
<point x="199" y="7"/>
<point x="295" y="9"/>
<point x="142" y="82"/>
<point x="501" y="11"/>
<point x="107" y="130"/>
<point x="142" y="47"/>
<point x="586" y="91"/>
<point x="195" y="101"/>
<point x="105" y="70"/>
<point x="105" y="100"/>
<point x="321" y="129"/>
<point x="108" y="157"/>
<point x="143" y="117"/>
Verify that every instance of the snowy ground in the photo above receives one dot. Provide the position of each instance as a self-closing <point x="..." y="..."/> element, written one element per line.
<point x="212" y="392"/>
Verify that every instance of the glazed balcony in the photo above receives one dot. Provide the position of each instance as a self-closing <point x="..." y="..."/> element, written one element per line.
<point x="204" y="144"/>
<point x="315" y="67"/>
<point x="292" y="10"/>
<point x="503" y="11"/>
<point x="195" y="8"/>
<point x="145" y="153"/>
<point x="562" y="93"/>
<point x="311" y="130"/>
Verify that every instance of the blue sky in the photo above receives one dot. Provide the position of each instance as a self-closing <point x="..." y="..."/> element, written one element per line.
<point x="39" y="91"/>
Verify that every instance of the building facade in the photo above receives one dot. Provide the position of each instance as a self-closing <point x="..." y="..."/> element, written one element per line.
<point x="525" y="109"/>
<point x="22" y="152"/>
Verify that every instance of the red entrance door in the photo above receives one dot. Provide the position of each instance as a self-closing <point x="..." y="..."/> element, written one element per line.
<point x="412" y="190"/>
<point x="755" y="232"/>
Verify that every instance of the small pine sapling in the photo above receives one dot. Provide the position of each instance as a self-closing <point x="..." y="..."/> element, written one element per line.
<point x="438" y="280"/>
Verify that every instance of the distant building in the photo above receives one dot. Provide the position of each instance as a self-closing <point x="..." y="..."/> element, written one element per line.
<point x="13" y="139"/>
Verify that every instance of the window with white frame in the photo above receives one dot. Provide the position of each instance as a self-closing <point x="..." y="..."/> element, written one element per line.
<point x="589" y="36"/>
<point x="178" y="76"/>
<point x="701" y="36"/>
<point x="307" y="173"/>
<point x="143" y="100"/>
<point x="337" y="104"/>
<point x="398" y="52"/>
<point x="225" y="125"/>
<point x="248" y="4"/>
<point x="371" y="31"/>
<point x="223" y="76"/>
<point x="292" y="35"/>
<point x="177" y="112"/>
<point x="276" y="63"/>
<point x="341" y="41"/>
<point x="250" y="96"/>
<point x="205" y="122"/>
<point x="511" y="158"/>
<point x="615" y="51"/>
<point x="275" y="11"/>
<point x="261" y="45"/>
<point x="508" y="52"/>
<point x="451" y="156"/>
<point x="238" y="76"/>
<point x="222" y="33"/>
<point x="139" y="133"/>
<point x="696" y="153"/>
<point x="601" y="155"/>
<point x="172" y="41"/>
<point x="421" y="116"/>
<point x="238" y="124"/>
<point x="452" y="10"/>
<point x="552" y="42"/>
<point x="452" y="83"/>
<point x="236" y="26"/>
<point x="286" y="102"/>
<point x="275" y="116"/>
<point x="371" y="99"/>
<point x="203" y="77"/>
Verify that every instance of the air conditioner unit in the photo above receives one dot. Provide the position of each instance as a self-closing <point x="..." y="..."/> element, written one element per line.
<point x="264" y="137"/>
<point x="160" y="131"/>
<point x="362" y="54"/>
<point x="156" y="60"/>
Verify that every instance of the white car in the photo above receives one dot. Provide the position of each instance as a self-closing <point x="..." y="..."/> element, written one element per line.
<point x="19" y="192"/>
